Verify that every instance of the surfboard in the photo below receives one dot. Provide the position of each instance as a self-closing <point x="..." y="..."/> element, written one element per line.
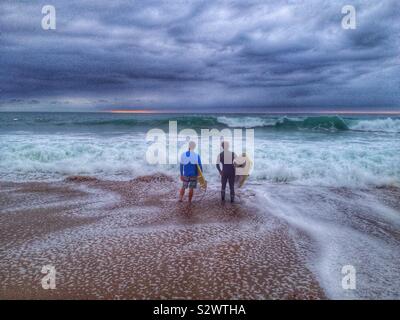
<point x="200" y="178"/>
<point x="247" y="173"/>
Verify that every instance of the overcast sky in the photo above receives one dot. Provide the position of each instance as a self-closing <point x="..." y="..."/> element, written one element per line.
<point x="202" y="55"/>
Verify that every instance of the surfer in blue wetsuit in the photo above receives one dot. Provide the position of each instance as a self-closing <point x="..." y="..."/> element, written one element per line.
<point x="189" y="172"/>
<point x="226" y="169"/>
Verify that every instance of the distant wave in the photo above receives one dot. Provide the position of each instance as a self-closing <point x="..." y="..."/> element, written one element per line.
<point x="377" y="125"/>
<point x="316" y="123"/>
<point x="198" y="121"/>
<point x="312" y="123"/>
<point x="324" y="123"/>
<point x="246" y="122"/>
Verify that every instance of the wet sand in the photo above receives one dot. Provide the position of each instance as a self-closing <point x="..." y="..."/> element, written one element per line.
<point x="133" y="240"/>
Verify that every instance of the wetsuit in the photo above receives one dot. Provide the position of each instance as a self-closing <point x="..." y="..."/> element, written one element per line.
<point x="225" y="159"/>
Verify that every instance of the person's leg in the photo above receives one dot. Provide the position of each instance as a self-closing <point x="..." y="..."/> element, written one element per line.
<point x="182" y="191"/>
<point x="224" y="179"/>
<point x="232" y="187"/>
<point x="190" y="194"/>
<point x="181" y="194"/>
<point x="242" y="181"/>
<point x="237" y="179"/>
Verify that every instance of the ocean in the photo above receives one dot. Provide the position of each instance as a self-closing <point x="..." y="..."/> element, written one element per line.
<point x="334" y="179"/>
<point x="350" y="151"/>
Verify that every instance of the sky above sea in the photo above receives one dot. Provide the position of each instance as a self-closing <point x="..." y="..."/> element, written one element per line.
<point x="200" y="56"/>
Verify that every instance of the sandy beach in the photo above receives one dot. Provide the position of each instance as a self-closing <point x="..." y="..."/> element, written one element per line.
<point x="133" y="240"/>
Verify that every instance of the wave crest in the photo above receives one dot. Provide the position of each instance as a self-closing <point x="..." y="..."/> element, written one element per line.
<point x="285" y="123"/>
<point x="323" y="123"/>
<point x="377" y="125"/>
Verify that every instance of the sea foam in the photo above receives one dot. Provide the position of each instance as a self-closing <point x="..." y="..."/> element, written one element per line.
<point x="329" y="161"/>
<point x="377" y="125"/>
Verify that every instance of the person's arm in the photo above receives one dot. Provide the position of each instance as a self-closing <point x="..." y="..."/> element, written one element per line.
<point x="233" y="161"/>
<point x="239" y="162"/>
<point x="181" y="169"/>
<point x="218" y="164"/>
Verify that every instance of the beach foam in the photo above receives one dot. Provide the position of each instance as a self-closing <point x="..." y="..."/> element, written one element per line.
<point x="138" y="242"/>
<point x="345" y="228"/>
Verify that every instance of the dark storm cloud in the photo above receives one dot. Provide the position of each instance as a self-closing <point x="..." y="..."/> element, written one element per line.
<point x="202" y="54"/>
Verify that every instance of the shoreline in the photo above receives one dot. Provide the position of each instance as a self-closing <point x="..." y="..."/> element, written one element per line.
<point x="142" y="244"/>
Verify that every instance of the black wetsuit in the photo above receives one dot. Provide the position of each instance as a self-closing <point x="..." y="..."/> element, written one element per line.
<point x="225" y="159"/>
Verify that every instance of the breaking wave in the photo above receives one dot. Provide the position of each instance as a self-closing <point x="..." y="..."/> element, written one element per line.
<point x="378" y="125"/>
<point x="285" y="123"/>
<point x="330" y="123"/>
<point x="331" y="162"/>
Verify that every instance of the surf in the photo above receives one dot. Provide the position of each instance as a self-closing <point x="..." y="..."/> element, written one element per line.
<point x="313" y="123"/>
<point x="389" y="125"/>
<point x="330" y="123"/>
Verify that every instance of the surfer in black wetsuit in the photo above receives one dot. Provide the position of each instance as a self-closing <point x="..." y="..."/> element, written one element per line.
<point x="227" y="172"/>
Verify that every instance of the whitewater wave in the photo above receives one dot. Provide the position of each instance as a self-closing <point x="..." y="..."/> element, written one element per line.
<point x="246" y="122"/>
<point x="328" y="162"/>
<point x="377" y="125"/>
<point x="316" y="123"/>
<point x="352" y="227"/>
<point x="331" y="123"/>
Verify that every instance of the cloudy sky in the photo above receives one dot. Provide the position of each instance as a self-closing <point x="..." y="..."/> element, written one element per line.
<point x="202" y="55"/>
